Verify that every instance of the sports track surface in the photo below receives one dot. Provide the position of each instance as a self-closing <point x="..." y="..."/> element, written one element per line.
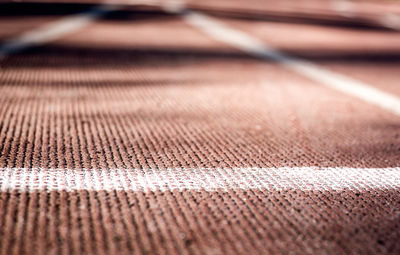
<point x="204" y="127"/>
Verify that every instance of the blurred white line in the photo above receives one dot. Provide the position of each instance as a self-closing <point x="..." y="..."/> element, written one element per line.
<point x="257" y="48"/>
<point x="391" y="20"/>
<point x="170" y="179"/>
<point x="343" y="7"/>
<point x="174" y="6"/>
<point x="348" y="9"/>
<point x="54" y="30"/>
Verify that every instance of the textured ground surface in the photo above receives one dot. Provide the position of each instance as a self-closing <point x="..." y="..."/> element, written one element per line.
<point x="141" y="133"/>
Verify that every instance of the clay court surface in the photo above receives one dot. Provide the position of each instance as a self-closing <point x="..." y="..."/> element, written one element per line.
<point x="200" y="127"/>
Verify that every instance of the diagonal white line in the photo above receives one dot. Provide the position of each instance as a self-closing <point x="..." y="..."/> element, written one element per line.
<point x="348" y="9"/>
<point x="54" y="30"/>
<point x="391" y="20"/>
<point x="257" y="48"/>
<point x="170" y="179"/>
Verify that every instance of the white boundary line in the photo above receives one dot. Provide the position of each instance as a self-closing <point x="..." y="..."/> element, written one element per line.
<point x="348" y="9"/>
<point x="391" y="20"/>
<point x="299" y="178"/>
<point x="343" y="7"/>
<point x="255" y="47"/>
<point x="54" y="30"/>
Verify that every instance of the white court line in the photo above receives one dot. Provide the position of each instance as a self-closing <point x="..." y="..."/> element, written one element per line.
<point x="54" y="30"/>
<point x="299" y="178"/>
<point x="257" y="48"/>
<point x="343" y="7"/>
<point x="348" y="9"/>
<point x="391" y="20"/>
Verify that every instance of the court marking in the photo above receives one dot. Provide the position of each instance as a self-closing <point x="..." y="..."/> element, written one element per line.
<point x="348" y="9"/>
<point x="257" y="48"/>
<point x="220" y="179"/>
<point x="343" y="7"/>
<point x="54" y="30"/>
<point x="391" y="20"/>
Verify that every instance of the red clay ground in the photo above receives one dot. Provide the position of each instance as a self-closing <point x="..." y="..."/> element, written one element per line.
<point x="142" y="89"/>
